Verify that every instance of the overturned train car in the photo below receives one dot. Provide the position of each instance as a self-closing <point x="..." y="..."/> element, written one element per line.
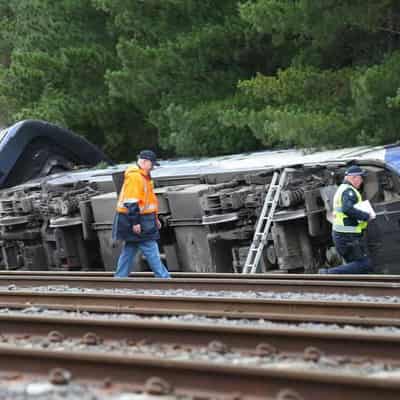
<point x="208" y="208"/>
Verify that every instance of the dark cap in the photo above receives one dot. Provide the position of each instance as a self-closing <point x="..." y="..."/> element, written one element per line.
<point x="355" y="170"/>
<point x="149" y="155"/>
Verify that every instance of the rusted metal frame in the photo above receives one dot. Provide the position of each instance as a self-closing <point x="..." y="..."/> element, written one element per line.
<point x="174" y="304"/>
<point x="277" y="286"/>
<point x="188" y="376"/>
<point x="355" y="344"/>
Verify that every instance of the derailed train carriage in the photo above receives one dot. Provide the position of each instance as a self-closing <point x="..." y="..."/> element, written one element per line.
<point x="208" y="208"/>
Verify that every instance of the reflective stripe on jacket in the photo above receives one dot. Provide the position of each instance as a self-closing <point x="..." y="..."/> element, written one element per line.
<point x="137" y="189"/>
<point x="341" y="222"/>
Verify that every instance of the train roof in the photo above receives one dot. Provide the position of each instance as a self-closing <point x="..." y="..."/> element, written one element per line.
<point x="388" y="156"/>
<point x="17" y="138"/>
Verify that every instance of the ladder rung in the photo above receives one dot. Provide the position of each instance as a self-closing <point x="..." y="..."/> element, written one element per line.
<point x="262" y="230"/>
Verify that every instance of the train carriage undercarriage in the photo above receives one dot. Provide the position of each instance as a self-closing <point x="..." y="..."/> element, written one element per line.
<point x="208" y="209"/>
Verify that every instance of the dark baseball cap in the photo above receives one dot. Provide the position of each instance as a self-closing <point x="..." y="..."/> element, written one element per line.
<point x="149" y="155"/>
<point x="355" y="170"/>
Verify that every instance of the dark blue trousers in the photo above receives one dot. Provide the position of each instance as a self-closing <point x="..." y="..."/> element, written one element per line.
<point x="353" y="248"/>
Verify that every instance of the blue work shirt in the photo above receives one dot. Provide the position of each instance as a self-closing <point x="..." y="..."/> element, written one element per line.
<point x="349" y="199"/>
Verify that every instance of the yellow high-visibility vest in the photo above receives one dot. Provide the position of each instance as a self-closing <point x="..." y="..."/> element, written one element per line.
<point x="339" y="215"/>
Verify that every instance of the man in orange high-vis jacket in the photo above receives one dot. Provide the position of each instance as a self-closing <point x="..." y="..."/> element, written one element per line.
<point x="136" y="221"/>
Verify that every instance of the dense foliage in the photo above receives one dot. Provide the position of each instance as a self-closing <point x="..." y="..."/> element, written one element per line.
<point x="204" y="77"/>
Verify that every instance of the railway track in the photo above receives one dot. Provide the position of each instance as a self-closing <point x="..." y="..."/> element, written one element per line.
<point x="214" y="276"/>
<point x="147" y="331"/>
<point x="277" y="337"/>
<point x="195" y="304"/>
<point x="212" y="370"/>
<point x="212" y="306"/>
<point x="367" y="288"/>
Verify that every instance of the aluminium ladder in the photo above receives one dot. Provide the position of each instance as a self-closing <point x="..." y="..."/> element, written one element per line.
<point x="264" y="223"/>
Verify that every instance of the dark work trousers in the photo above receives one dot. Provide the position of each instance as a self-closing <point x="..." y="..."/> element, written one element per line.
<point x="353" y="248"/>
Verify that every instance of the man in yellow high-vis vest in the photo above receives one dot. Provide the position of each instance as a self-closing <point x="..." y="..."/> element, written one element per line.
<point x="349" y="224"/>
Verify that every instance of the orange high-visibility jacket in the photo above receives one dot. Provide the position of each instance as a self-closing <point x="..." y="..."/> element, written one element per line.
<point x="137" y="188"/>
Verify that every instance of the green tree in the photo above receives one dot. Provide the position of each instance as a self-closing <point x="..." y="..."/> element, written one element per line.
<point x="58" y="59"/>
<point x="204" y="77"/>
<point x="344" y="70"/>
<point x="180" y="62"/>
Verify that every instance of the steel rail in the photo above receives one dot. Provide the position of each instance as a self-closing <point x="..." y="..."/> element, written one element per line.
<point x="382" y="347"/>
<point x="185" y="275"/>
<point x="275" y="317"/>
<point x="204" y="376"/>
<point x="63" y="385"/>
<point x="253" y="285"/>
<point x="203" y="305"/>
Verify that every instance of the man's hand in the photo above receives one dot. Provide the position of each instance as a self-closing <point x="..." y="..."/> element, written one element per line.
<point x="158" y="223"/>
<point x="137" y="229"/>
